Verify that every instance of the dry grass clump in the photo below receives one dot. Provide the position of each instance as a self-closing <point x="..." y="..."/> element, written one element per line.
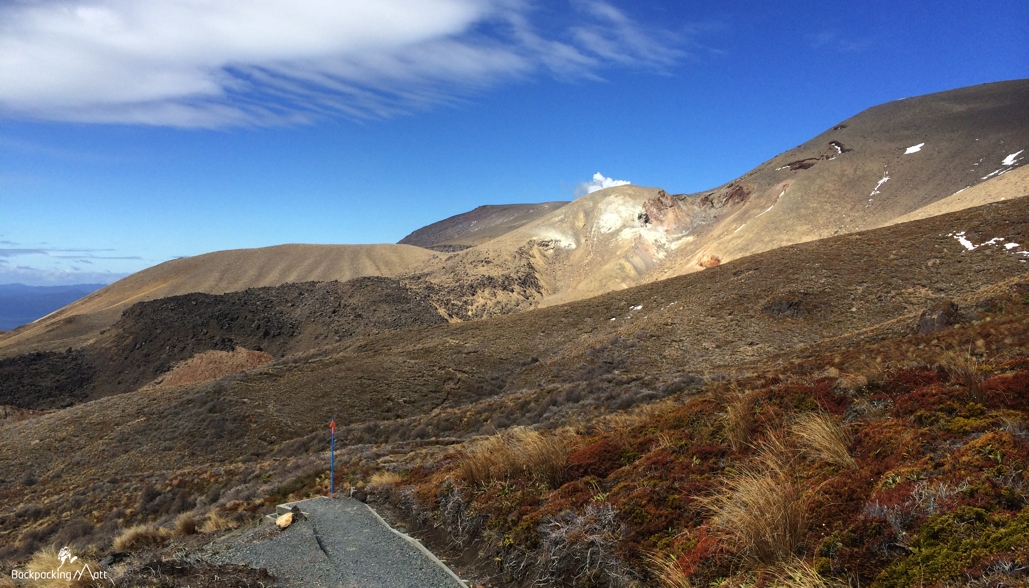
<point x="799" y="574"/>
<point x="851" y="382"/>
<point x="626" y="418"/>
<point x="48" y="560"/>
<point x="185" y="524"/>
<point x="216" y="522"/>
<point x="762" y="508"/>
<point x="668" y="572"/>
<point x="966" y="369"/>
<point x="6" y="582"/>
<point x="862" y="374"/>
<point x="385" y="479"/>
<point x="738" y="419"/>
<point x="823" y="438"/>
<point x="541" y="456"/>
<point x="141" y="536"/>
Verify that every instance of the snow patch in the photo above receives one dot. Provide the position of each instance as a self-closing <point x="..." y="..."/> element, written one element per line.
<point x="741" y="226"/>
<point x="914" y="149"/>
<point x="766" y="210"/>
<point x="885" y="178"/>
<point x="1010" y="246"/>
<point x="637" y="307"/>
<point x="1006" y="165"/>
<point x="961" y="239"/>
<point x="1010" y="159"/>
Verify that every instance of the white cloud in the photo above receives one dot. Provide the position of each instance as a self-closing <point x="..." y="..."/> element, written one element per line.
<point x="600" y="182"/>
<point x="31" y="276"/>
<point x="242" y="62"/>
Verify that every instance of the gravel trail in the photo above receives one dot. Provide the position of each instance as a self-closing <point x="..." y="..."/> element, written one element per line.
<point x="343" y="544"/>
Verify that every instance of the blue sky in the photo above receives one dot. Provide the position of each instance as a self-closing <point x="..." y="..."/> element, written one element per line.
<point x="132" y="133"/>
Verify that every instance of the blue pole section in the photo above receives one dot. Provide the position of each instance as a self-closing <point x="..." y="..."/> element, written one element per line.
<point x="332" y="459"/>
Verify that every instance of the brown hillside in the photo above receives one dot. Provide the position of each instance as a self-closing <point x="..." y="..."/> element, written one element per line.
<point x="150" y="337"/>
<point x="212" y="273"/>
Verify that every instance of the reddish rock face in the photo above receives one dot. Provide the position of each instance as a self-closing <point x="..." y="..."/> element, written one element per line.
<point x="666" y="214"/>
<point x="709" y="261"/>
<point x="677" y="214"/>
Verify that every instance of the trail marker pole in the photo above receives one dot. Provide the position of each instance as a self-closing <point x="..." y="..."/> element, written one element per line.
<point x="332" y="459"/>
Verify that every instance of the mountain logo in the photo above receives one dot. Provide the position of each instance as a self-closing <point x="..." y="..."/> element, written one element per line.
<point x="65" y="556"/>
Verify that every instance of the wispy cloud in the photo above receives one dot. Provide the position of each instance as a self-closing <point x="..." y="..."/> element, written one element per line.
<point x="85" y="257"/>
<point x="32" y="276"/>
<point x="255" y="62"/>
<point x="21" y="251"/>
<point x="831" y="40"/>
<point x="62" y="253"/>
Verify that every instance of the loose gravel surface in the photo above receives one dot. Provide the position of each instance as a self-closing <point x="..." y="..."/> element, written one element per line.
<point x="342" y="543"/>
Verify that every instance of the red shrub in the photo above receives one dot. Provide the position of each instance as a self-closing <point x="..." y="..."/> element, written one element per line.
<point x="861" y="551"/>
<point x="829" y="399"/>
<point x="1008" y="391"/>
<point x="909" y="380"/>
<point x="597" y="459"/>
<point x="929" y="398"/>
<point x="840" y="499"/>
<point x="703" y="546"/>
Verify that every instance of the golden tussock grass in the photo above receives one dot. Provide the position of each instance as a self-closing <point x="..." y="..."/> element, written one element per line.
<point x="6" y="582"/>
<point x="539" y="455"/>
<point x="799" y="574"/>
<point x="823" y="438"/>
<point x="141" y="536"/>
<point x="627" y="418"/>
<point x="385" y="479"/>
<point x="667" y="570"/>
<point x="862" y="373"/>
<point x="967" y="369"/>
<point x="762" y="507"/>
<point x="851" y="382"/>
<point x="738" y="419"/>
<point x="48" y="560"/>
<point x="185" y="524"/>
<point x="216" y="522"/>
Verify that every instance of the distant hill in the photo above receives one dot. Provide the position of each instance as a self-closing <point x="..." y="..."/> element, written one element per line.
<point x="21" y="304"/>
<point x="475" y="227"/>
<point x="214" y="273"/>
